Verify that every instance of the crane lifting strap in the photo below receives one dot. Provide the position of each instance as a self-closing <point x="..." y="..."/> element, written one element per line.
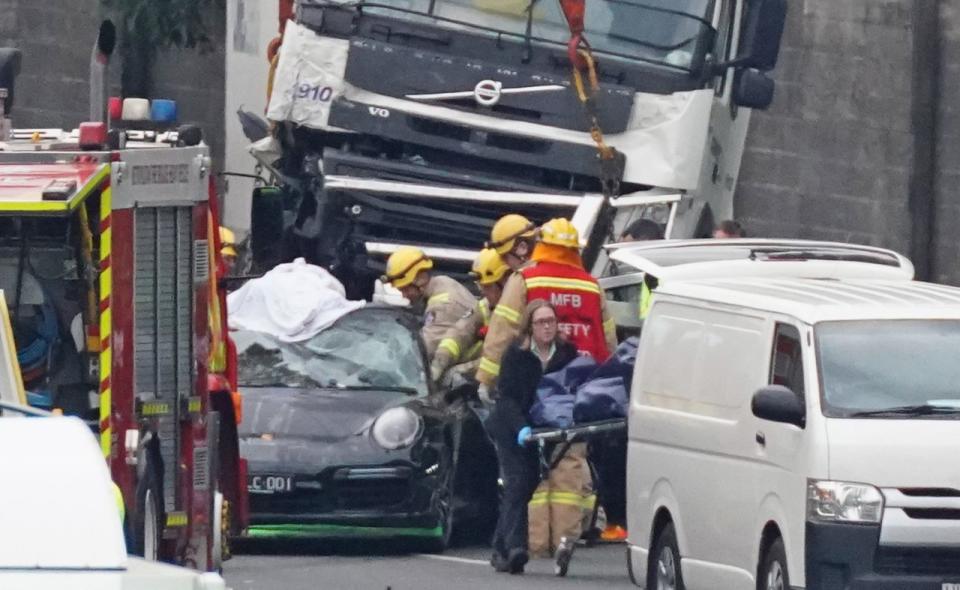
<point x="583" y="65"/>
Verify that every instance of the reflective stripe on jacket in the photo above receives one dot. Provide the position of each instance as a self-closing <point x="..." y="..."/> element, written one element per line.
<point x="447" y="302"/>
<point x="463" y="342"/>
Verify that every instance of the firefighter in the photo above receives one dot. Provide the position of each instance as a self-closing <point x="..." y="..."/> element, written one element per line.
<point x="228" y="250"/>
<point x="557" y="275"/>
<point x="442" y="299"/>
<point x="462" y="343"/>
<point x="561" y="506"/>
<point x="513" y="237"/>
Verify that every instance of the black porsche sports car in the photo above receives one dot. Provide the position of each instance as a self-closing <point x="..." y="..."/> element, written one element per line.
<point x="345" y="436"/>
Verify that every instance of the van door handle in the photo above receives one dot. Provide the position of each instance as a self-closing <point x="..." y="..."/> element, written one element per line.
<point x="761" y="439"/>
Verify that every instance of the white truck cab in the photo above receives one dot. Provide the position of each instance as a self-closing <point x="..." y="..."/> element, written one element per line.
<point x="795" y="431"/>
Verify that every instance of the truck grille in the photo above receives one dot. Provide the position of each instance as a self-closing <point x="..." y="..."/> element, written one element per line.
<point x="918" y="561"/>
<point x="381" y="217"/>
<point x="163" y="327"/>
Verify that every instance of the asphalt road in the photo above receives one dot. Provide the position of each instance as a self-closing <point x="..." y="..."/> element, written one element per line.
<point x="380" y="566"/>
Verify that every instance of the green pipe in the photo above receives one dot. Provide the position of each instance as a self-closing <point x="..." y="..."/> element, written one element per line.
<point x="264" y="531"/>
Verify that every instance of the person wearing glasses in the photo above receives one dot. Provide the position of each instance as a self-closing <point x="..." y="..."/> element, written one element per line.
<point x="555" y="273"/>
<point x="538" y="349"/>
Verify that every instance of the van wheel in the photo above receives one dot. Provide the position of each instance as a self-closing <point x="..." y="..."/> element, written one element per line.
<point x="773" y="569"/>
<point x="664" y="572"/>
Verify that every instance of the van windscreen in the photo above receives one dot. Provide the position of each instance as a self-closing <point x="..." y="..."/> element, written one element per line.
<point x="889" y="368"/>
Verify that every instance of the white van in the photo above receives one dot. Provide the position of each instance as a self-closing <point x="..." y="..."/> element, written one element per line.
<point x="795" y="432"/>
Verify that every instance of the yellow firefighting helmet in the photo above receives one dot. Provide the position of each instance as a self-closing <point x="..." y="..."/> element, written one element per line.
<point x="506" y="231"/>
<point x="560" y="232"/>
<point x="228" y="242"/>
<point x="404" y="265"/>
<point x="489" y="268"/>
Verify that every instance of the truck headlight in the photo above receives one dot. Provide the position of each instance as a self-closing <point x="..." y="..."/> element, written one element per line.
<point x="397" y="428"/>
<point x="839" y="501"/>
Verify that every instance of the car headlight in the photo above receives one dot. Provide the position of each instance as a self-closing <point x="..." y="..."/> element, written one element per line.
<point x="838" y="501"/>
<point x="396" y="428"/>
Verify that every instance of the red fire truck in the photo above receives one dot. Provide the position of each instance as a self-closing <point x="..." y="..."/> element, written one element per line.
<point x="109" y="260"/>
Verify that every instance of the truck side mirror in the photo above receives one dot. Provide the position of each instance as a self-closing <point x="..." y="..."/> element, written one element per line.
<point x="777" y="403"/>
<point x="752" y="89"/>
<point x="266" y="226"/>
<point x="9" y="68"/>
<point x="761" y="33"/>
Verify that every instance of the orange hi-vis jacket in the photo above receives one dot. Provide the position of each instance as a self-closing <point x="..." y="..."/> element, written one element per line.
<point x="581" y="313"/>
<point x="578" y="300"/>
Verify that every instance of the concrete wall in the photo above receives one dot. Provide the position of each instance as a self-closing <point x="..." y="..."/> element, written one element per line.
<point x="844" y="153"/>
<point x="946" y="261"/>
<point x="57" y="36"/>
<point x="196" y="80"/>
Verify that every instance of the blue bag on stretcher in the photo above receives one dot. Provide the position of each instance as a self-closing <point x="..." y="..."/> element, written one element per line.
<point x="556" y="394"/>
<point x="605" y="395"/>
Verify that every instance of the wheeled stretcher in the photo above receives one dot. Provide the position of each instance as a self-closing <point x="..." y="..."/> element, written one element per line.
<point x="553" y="443"/>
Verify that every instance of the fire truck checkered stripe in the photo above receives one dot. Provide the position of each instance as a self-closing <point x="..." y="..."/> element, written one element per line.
<point x="106" y="286"/>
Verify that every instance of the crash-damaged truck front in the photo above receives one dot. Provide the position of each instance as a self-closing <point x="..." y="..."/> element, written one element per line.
<point x="422" y="121"/>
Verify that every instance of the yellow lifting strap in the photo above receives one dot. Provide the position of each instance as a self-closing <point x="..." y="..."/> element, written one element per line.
<point x="612" y="162"/>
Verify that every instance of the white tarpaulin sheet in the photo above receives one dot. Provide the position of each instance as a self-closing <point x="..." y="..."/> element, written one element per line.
<point x="292" y="302"/>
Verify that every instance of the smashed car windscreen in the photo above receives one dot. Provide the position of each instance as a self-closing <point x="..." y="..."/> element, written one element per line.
<point x="366" y="348"/>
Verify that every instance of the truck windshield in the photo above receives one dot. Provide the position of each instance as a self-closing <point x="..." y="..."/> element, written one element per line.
<point x="364" y="350"/>
<point x="664" y="32"/>
<point x="890" y="368"/>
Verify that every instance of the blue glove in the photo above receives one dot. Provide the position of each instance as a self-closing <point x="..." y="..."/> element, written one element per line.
<point x="523" y="435"/>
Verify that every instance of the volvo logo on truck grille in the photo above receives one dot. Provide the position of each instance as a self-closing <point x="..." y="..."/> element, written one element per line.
<point x="487" y="92"/>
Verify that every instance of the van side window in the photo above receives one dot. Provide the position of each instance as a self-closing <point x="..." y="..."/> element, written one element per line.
<point x="787" y="366"/>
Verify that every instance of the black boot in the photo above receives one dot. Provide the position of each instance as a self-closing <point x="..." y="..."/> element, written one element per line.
<point x="499" y="562"/>
<point x="517" y="559"/>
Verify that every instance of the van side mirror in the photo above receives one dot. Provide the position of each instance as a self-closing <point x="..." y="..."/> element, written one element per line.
<point x="761" y="34"/>
<point x="777" y="403"/>
<point x="752" y="89"/>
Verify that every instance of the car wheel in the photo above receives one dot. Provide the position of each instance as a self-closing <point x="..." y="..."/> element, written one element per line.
<point x="664" y="571"/>
<point x="773" y="570"/>
<point x="443" y="510"/>
<point x="148" y="521"/>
